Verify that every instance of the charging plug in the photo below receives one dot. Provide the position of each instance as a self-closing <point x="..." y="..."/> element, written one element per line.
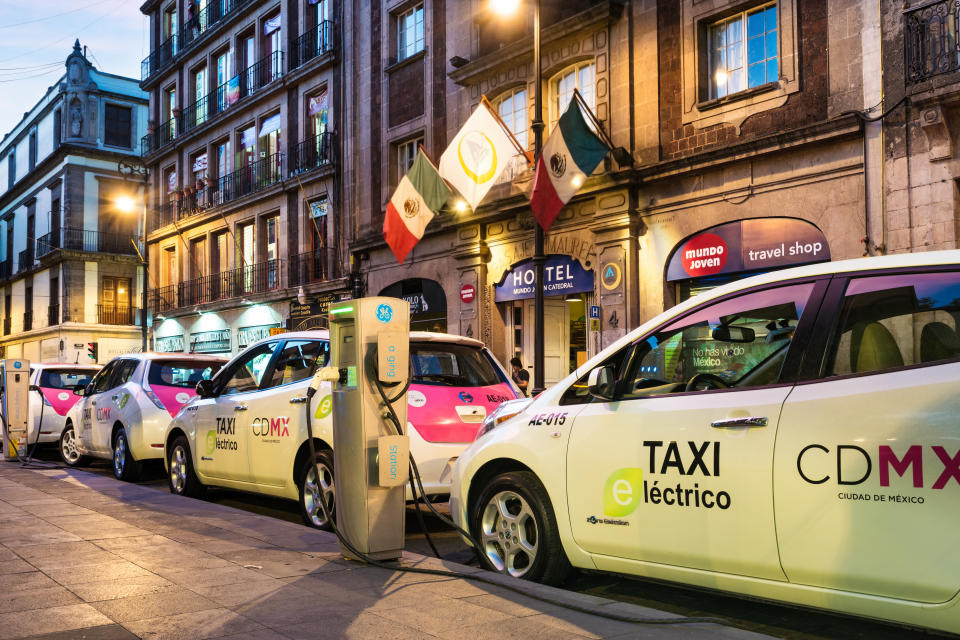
<point x="323" y="374"/>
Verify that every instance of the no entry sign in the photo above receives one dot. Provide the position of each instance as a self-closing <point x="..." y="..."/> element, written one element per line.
<point x="467" y="293"/>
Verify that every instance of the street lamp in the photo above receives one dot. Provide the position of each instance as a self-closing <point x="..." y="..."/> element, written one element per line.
<point x="507" y="7"/>
<point x="128" y="204"/>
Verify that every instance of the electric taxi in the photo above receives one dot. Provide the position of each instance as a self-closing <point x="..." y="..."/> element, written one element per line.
<point x="247" y="428"/>
<point x="791" y="436"/>
<point x="51" y="397"/>
<point x="123" y="412"/>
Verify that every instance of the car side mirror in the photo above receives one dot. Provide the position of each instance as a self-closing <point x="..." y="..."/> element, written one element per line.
<point x="88" y="390"/>
<point x="600" y="382"/>
<point x="79" y="390"/>
<point x="205" y="389"/>
<point x="733" y="334"/>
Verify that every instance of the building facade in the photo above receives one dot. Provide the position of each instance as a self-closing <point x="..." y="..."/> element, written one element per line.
<point x="242" y="154"/>
<point x="69" y="268"/>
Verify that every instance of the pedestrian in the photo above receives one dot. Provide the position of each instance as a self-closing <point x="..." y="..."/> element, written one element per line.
<point x="521" y="377"/>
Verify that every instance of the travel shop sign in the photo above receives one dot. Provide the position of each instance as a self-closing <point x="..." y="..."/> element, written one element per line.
<point x="748" y="245"/>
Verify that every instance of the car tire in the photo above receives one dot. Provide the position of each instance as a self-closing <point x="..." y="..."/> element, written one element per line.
<point x="311" y="491"/>
<point x="125" y="467"/>
<point x="515" y="525"/>
<point x="67" y="446"/>
<point x="183" y="479"/>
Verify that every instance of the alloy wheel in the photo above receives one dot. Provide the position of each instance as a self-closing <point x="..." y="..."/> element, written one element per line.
<point x="68" y="446"/>
<point x="313" y="491"/>
<point x="178" y="470"/>
<point x="119" y="454"/>
<point x="508" y="532"/>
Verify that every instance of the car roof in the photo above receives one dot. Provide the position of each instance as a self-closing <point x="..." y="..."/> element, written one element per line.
<point x="415" y="336"/>
<point x="65" y="365"/>
<point x="150" y="355"/>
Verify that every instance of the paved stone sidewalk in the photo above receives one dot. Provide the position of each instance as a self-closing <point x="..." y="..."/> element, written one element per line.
<point x="83" y="556"/>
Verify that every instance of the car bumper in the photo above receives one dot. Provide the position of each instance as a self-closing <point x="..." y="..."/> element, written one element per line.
<point x="435" y="461"/>
<point x="146" y="437"/>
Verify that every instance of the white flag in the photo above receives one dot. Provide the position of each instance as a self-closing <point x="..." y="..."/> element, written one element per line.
<point x="477" y="155"/>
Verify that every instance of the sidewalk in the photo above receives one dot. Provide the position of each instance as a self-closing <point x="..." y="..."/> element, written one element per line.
<point x="85" y="556"/>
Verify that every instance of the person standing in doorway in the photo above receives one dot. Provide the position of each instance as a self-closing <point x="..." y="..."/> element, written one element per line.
<point x="521" y="377"/>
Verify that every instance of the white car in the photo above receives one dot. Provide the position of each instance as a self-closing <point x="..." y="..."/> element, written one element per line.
<point x="52" y="397"/>
<point x="248" y="429"/>
<point x="792" y="436"/>
<point x="124" y="411"/>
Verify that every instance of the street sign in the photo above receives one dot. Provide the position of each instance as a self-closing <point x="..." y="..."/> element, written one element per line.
<point x="467" y="293"/>
<point x="594" y="324"/>
<point x="594" y="311"/>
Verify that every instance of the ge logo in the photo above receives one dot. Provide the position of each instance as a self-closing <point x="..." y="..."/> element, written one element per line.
<point x="384" y="313"/>
<point x="324" y="408"/>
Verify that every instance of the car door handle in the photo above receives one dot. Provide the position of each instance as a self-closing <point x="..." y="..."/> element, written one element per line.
<point x="240" y="407"/>
<point x="749" y="421"/>
<point x="298" y="400"/>
<point x="114" y="397"/>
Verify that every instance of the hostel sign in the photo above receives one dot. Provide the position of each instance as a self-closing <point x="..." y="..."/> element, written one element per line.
<point x="748" y="245"/>
<point x="562" y="275"/>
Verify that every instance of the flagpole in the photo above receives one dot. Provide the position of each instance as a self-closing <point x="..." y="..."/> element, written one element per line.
<point x="584" y="107"/>
<point x="539" y="256"/>
<point x="496" y="116"/>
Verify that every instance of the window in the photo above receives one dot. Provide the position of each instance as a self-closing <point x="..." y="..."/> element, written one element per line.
<point x="888" y="322"/>
<point x="185" y="374"/>
<point x="452" y="365"/>
<point x="101" y="381"/>
<point x="410" y="33"/>
<point x="512" y="107"/>
<point x="123" y="372"/>
<point x="735" y="66"/>
<point x="406" y="152"/>
<point x="580" y="77"/>
<point x="740" y="342"/>
<point x="246" y="374"/>
<point x="298" y="360"/>
<point x="64" y="378"/>
<point x="116" y="123"/>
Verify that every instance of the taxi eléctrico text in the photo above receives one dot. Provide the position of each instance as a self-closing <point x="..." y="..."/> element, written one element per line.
<point x="124" y="411"/>
<point x="247" y="428"/>
<point x="792" y="436"/>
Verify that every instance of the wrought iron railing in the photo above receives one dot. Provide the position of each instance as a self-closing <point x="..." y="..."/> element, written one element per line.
<point x="116" y="314"/>
<point x="25" y="260"/>
<point x="261" y="73"/>
<point x="312" y="153"/>
<point x="930" y="40"/>
<point x="253" y="278"/>
<point x="208" y="17"/>
<point x="84" y="240"/>
<point x="53" y="315"/>
<point x="159" y="137"/>
<point x="47" y="243"/>
<point x="166" y="213"/>
<point x="314" y="42"/>
<point x="163" y="298"/>
<point x="27" y="320"/>
<point x="195" y="114"/>
<point x="312" y="266"/>
<point x="161" y="57"/>
<point x="250" y="179"/>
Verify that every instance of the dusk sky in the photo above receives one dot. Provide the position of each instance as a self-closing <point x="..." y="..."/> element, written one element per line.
<point x="36" y="37"/>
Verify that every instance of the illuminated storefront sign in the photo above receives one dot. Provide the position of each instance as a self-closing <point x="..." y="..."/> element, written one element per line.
<point x="562" y="275"/>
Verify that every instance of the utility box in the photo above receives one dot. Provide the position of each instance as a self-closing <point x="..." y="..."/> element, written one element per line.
<point x="15" y="407"/>
<point x="369" y="342"/>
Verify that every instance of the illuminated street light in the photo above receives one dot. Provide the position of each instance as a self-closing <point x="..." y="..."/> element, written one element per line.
<point x="126" y="204"/>
<point x="505" y="7"/>
<point x="460" y="206"/>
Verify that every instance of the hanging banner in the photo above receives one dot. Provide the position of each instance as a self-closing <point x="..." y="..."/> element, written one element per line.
<point x="233" y="90"/>
<point x="172" y="182"/>
<point x="317" y="104"/>
<point x="562" y="275"/>
<point x="318" y="208"/>
<point x="200" y="163"/>
<point x="748" y="245"/>
<point x="270" y="125"/>
<point x="271" y="24"/>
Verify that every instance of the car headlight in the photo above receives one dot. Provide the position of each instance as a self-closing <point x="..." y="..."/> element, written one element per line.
<point x="502" y="413"/>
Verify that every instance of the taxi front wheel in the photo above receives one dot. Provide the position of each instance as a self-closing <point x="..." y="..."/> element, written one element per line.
<point x="183" y="480"/>
<point x="514" y="523"/>
<point x="316" y="484"/>
<point x="124" y="466"/>
<point x="69" y="452"/>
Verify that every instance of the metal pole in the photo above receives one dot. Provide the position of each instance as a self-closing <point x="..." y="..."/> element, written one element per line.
<point x="143" y="310"/>
<point x="538" y="248"/>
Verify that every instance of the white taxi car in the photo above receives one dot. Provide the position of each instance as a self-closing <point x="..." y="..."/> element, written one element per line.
<point x="52" y="397"/>
<point x="124" y="411"/>
<point x="247" y="429"/>
<point x="792" y="436"/>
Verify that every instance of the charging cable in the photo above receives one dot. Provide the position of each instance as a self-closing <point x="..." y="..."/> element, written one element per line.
<point x="312" y="390"/>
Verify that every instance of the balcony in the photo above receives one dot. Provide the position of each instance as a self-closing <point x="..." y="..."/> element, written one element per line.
<point x="315" y="42"/>
<point x="116" y="314"/>
<point x="254" y="278"/>
<point x="250" y="179"/>
<point x="166" y="213"/>
<point x="82" y="240"/>
<point x="5" y="269"/>
<point x="312" y="153"/>
<point x="27" y="320"/>
<point x="312" y="266"/>
<point x="196" y="114"/>
<point x="930" y="42"/>
<point x="163" y="298"/>
<point x="161" y="57"/>
<point x="25" y="260"/>
<point x="209" y="17"/>
<point x="53" y="315"/>
<point x="47" y="243"/>
<point x="159" y="137"/>
<point x="261" y="73"/>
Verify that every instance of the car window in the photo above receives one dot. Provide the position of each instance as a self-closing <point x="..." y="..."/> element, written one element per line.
<point x="888" y="322"/>
<point x="452" y="365"/>
<point x="246" y="374"/>
<point x="123" y="372"/>
<point x="298" y="361"/>
<point x="740" y="342"/>
<point x="64" y="378"/>
<point x="181" y="373"/>
<point x="102" y="380"/>
<point x="577" y="392"/>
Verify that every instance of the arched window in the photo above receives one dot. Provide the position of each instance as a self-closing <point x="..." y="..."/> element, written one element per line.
<point x="580" y="76"/>
<point x="512" y="107"/>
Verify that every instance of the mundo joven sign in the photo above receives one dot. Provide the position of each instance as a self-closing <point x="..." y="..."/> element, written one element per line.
<point x="748" y="245"/>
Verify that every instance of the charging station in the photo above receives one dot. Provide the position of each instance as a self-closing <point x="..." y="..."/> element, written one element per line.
<point x="15" y="378"/>
<point x="369" y="359"/>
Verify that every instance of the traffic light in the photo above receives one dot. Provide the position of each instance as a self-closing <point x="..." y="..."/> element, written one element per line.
<point x="92" y="351"/>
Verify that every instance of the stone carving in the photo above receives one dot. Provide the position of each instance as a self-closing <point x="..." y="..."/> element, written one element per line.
<point x="76" y="120"/>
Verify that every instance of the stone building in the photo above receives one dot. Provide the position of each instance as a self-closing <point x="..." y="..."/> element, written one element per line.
<point x="241" y="147"/>
<point x="744" y="122"/>
<point x="69" y="269"/>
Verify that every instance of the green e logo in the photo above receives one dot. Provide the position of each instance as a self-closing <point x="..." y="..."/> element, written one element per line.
<point x="211" y="441"/>
<point x="621" y="494"/>
<point x="324" y="407"/>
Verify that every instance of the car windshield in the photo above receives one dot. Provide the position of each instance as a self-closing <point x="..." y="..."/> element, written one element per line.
<point x="452" y="365"/>
<point x="186" y="374"/>
<point x="65" y="378"/>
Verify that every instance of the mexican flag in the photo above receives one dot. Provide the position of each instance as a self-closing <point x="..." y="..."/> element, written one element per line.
<point x="571" y="154"/>
<point x="418" y="197"/>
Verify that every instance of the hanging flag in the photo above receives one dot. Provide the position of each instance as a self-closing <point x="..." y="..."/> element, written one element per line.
<point x="572" y="153"/>
<point x="477" y="155"/>
<point x="271" y="24"/>
<point x="418" y="197"/>
<point x="233" y="90"/>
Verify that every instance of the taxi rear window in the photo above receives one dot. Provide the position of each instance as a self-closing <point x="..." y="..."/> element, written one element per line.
<point x="65" y="378"/>
<point x="452" y="365"/>
<point x="186" y="374"/>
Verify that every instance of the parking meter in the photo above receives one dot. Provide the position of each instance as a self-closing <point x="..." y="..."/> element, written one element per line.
<point x="369" y="346"/>
<point x="16" y="407"/>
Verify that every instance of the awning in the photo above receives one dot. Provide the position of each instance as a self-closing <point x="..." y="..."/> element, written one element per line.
<point x="270" y="125"/>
